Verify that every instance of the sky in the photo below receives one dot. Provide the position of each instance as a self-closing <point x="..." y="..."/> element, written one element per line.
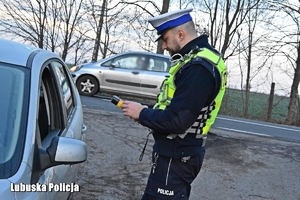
<point x="259" y="83"/>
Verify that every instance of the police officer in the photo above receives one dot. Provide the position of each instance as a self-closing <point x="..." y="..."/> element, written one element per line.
<point x="186" y="106"/>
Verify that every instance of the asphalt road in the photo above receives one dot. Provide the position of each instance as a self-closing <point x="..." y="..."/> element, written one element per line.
<point x="259" y="128"/>
<point x="239" y="125"/>
<point x="237" y="166"/>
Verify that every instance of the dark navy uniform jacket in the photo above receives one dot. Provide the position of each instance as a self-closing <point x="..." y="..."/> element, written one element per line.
<point x="195" y="88"/>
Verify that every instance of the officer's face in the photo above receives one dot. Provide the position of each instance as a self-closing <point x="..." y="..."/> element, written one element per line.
<point x="170" y="42"/>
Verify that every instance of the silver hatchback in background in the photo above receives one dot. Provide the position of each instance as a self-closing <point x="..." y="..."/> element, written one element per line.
<point x="132" y="73"/>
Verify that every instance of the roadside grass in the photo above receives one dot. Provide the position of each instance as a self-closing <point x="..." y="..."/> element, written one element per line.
<point x="233" y="105"/>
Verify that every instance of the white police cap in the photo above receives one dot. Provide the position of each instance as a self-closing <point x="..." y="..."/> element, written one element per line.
<point x="169" y="20"/>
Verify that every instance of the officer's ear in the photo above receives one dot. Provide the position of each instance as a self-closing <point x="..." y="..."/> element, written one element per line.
<point x="180" y="34"/>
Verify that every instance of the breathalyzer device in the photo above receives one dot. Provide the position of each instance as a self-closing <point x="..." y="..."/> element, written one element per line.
<point x="117" y="101"/>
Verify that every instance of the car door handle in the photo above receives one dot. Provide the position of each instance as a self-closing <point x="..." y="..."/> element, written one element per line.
<point x="134" y="72"/>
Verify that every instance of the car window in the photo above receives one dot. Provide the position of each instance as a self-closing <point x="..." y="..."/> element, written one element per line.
<point x="64" y="82"/>
<point x="138" y="62"/>
<point x="159" y="64"/>
<point x="14" y="84"/>
<point x="107" y="63"/>
<point x="50" y="116"/>
<point x="44" y="111"/>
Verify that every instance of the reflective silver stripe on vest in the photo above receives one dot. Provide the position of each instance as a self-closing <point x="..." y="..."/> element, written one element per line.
<point x="196" y="128"/>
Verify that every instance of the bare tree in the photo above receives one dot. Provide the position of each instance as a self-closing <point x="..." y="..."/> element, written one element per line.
<point x="288" y="45"/>
<point x="107" y="26"/>
<point x="165" y="9"/>
<point x="48" y="24"/>
<point x="256" y="15"/>
<point x="25" y="19"/>
<point x="81" y="49"/>
<point x="70" y="17"/>
<point x="251" y="21"/>
<point x="99" y="30"/>
<point x="144" y="10"/>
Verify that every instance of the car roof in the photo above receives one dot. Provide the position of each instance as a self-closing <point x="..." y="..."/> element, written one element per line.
<point x="143" y="52"/>
<point x="130" y="52"/>
<point x="15" y="53"/>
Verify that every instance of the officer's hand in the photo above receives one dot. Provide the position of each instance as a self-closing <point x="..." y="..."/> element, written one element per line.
<point x="132" y="109"/>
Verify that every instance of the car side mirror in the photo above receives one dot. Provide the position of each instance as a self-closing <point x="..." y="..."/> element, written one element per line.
<point x="67" y="150"/>
<point x="113" y="65"/>
<point x="63" y="150"/>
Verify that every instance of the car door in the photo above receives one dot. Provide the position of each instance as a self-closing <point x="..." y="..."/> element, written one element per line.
<point x="72" y="126"/>
<point x="123" y="74"/>
<point x="57" y="117"/>
<point x="152" y="78"/>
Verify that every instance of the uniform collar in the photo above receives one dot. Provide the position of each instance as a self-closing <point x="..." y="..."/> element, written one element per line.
<point x="200" y="42"/>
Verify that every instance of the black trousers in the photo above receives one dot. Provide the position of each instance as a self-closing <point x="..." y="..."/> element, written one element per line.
<point x="171" y="178"/>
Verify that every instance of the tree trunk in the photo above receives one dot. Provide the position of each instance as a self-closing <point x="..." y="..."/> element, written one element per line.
<point x="292" y="108"/>
<point x="165" y="9"/>
<point x="98" y="34"/>
<point x="248" y="73"/>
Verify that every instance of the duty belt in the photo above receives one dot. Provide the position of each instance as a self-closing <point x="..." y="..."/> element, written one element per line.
<point x="186" y="158"/>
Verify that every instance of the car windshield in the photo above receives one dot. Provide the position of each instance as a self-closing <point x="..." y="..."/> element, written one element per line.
<point x="12" y="121"/>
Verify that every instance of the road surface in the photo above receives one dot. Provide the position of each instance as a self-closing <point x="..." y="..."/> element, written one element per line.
<point x="279" y="131"/>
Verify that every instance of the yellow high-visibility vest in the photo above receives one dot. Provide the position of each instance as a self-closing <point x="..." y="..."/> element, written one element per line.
<point x="209" y="113"/>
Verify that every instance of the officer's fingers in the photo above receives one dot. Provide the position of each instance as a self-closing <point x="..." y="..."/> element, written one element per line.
<point x="125" y="111"/>
<point x="126" y="105"/>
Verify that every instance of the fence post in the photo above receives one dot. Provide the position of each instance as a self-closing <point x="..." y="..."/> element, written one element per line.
<point x="271" y="97"/>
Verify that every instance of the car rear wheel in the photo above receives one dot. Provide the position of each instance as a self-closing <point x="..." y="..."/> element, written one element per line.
<point x="87" y="85"/>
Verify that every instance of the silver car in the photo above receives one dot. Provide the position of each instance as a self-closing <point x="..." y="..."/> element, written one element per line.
<point x="41" y="125"/>
<point x="131" y="73"/>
